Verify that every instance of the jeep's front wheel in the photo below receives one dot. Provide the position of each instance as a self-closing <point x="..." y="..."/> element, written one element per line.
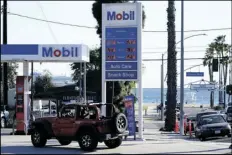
<point x="113" y="143"/>
<point x="87" y="141"/>
<point x="64" y="142"/>
<point x="38" y="138"/>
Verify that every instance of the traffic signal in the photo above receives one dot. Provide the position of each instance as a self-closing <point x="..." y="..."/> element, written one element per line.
<point x="215" y="65"/>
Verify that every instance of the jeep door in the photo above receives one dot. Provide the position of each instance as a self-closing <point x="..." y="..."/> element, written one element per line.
<point x="65" y="124"/>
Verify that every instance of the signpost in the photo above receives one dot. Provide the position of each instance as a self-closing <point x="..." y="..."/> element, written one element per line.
<point x="202" y="86"/>
<point x="129" y="102"/>
<point x="121" y="47"/>
<point x="195" y="74"/>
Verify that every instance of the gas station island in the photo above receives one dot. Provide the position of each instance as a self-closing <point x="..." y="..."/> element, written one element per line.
<point x="37" y="53"/>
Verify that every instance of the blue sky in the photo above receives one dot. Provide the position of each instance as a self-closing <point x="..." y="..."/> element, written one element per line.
<point x="198" y="15"/>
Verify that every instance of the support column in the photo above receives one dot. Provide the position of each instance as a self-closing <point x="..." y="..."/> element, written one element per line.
<point x="26" y="93"/>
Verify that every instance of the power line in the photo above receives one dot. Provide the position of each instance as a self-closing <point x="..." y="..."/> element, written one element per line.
<point x="201" y="51"/>
<point x="54" y="22"/>
<point x="91" y="27"/>
<point x="201" y="30"/>
<point x="177" y="47"/>
<point x="50" y="29"/>
<point x="176" y="59"/>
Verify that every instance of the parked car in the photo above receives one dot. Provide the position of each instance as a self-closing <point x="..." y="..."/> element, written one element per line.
<point x="86" y="124"/>
<point x="229" y="115"/>
<point x="4" y="116"/>
<point x="212" y="125"/>
<point x="199" y="115"/>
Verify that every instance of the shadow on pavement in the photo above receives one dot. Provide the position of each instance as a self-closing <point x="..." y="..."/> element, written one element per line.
<point x="195" y="151"/>
<point x="49" y="149"/>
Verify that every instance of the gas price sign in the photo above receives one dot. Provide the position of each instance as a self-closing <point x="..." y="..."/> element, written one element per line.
<point x="121" y="53"/>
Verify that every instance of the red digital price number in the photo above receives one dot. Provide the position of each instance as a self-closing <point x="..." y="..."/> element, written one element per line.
<point x="111" y="49"/>
<point x="130" y="57"/>
<point x="111" y="57"/>
<point x="111" y="42"/>
<point x="130" y="49"/>
<point x="131" y="42"/>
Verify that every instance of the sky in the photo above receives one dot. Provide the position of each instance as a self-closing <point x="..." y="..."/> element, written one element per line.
<point x="197" y="15"/>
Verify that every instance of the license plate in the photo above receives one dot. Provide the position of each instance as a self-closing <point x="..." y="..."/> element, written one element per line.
<point x="217" y="132"/>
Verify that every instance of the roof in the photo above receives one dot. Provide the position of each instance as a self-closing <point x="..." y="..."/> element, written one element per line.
<point x="212" y="115"/>
<point x="205" y="112"/>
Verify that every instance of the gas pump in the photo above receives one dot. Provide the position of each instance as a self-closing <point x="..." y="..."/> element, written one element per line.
<point x="22" y="104"/>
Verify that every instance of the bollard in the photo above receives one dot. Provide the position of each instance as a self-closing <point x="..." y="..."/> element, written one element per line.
<point x="190" y="129"/>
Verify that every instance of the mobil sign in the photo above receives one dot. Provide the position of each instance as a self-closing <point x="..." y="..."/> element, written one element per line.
<point x="62" y="52"/>
<point x="119" y="14"/>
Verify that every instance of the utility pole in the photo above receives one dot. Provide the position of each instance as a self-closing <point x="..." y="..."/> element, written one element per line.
<point x="162" y="88"/>
<point x="182" y="72"/>
<point x="5" y="83"/>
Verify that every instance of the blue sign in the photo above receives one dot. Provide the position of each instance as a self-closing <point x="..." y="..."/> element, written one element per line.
<point x="117" y="75"/>
<point x="121" y="65"/>
<point x="121" y="53"/>
<point x="197" y="74"/>
<point x="14" y="49"/>
<point x="130" y="113"/>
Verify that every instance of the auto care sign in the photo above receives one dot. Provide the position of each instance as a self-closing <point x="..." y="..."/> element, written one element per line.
<point x="130" y="113"/>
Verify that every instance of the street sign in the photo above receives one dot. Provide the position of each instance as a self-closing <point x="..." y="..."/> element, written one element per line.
<point x="121" y="53"/>
<point x="196" y="74"/>
<point x="202" y="86"/>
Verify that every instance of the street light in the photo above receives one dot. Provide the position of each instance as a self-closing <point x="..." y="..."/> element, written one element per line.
<point x="162" y="71"/>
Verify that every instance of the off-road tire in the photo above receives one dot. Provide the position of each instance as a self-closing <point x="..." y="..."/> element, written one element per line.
<point x="38" y="138"/>
<point x="64" y="142"/>
<point x="121" y="123"/>
<point x="113" y="143"/>
<point x="87" y="141"/>
<point x="3" y="122"/>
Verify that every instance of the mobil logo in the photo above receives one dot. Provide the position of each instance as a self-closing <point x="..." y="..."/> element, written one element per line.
<point x="129" y="15"/>
<point x="69" y="51"/>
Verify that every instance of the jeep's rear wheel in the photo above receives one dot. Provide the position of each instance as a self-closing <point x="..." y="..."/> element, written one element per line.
<point x="121" y="123"/>
<point x="113" y="143"/>
<point x="38" y="138"/>
<point x="64" y="142"/>
<point x="87" y="141"/>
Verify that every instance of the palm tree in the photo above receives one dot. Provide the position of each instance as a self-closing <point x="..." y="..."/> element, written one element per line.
<point x="221" y="49"/>
<point x="208" y="61"/>
<point x="171" y="69"/>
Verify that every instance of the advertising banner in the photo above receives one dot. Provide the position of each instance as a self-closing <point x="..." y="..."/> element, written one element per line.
<point x="130" y="113"/>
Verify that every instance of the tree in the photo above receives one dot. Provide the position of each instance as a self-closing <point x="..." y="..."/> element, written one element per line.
<point x="43" y="82"/>
<point x="11" y="76"/>
<point x="94" y="67"/>
<point x="171" y="69"/>
<point x="220" y="50"/>
<point x="208" y="61"/>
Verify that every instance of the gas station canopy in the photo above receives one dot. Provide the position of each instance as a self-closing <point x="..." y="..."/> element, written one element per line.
<point x="45" y="53"/>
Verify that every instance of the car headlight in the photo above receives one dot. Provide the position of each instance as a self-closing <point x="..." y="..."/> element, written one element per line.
<point x="229" y="127"/>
